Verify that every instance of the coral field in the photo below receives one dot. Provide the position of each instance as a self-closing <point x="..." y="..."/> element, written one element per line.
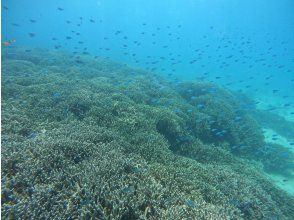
<point x="96" y="139"/>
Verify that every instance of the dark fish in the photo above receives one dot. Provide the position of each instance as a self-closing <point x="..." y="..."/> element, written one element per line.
<point x="6" y="8"/>
<point x="60" y="9"/>
<point x="79" y="62"/>
<point x="68" y="38"/>
<point x="117" y="32"/>
<point x="32" y="34"/>
<point x="32" y="21"/>
<point x="91" y="20"/>
<point x="15" y="24"/>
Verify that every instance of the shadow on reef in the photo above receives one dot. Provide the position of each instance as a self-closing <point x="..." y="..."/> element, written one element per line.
<point x="96" y="139"/>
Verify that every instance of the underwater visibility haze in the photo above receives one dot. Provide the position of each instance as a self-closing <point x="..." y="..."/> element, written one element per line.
<point x="132" y="109"/>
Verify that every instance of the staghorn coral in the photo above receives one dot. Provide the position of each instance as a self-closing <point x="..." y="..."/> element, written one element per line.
<point x="100" y="140"/>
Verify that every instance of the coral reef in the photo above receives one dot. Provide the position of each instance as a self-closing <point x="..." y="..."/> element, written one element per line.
<point x="97" y="139"/>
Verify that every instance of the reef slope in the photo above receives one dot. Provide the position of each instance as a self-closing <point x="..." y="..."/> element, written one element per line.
<point x="97" y="139"/>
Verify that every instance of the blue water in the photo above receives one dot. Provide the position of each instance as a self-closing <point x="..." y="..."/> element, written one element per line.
<point x="234" y="43"/>
<point x="242" y="46"/>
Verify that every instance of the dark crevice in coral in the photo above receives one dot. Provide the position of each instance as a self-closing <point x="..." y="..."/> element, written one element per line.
<point x="163" y="126"/>
<point x="129" y="214"/>
<point x="79" y="109"/>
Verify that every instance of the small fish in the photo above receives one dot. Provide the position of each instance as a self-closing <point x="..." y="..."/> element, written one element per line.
<point x="219" y="133"/>
<point x="79" y="62"/>
<point x="117" y="32"/>
<point x="56" y="95"/>
<point x="284" y="154"/>
<point x="200" y="106"/>
<point x="32" y="135"/>
<point x="32" y="34"/>
<point x="8" y="42"/>
<point x="60" y="9"/>
<point x="32" y="21"/>
<point x="176" y="110"/>
<point x="92" y="21"/>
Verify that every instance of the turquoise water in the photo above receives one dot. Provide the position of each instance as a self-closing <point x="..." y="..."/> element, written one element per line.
<point x="230" y="39"/>
<point x="169" y="95"/>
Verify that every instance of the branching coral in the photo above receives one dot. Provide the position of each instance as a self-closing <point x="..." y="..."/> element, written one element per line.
<point x="119" y="143"/>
